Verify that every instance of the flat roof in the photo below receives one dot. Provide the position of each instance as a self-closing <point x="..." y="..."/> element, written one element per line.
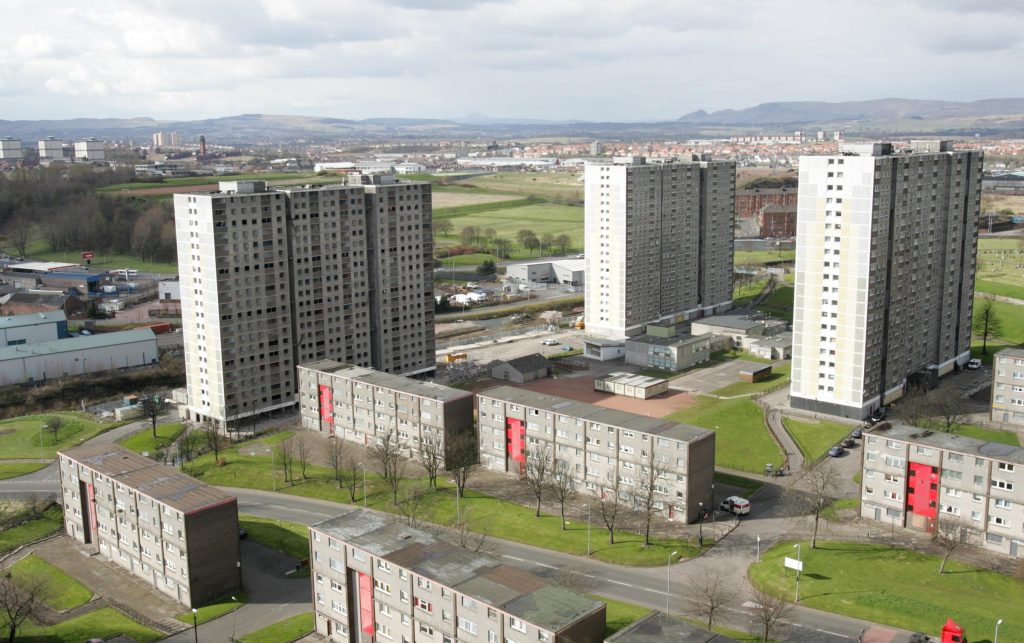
<point x="739" y="322"/>
<point x="656" y="627"/>
<point x="631" y="379"/>
<point x="782" y="339"/>
<point x="42" y="266"/>
<point x="479" y="576"/>
<point x="1011" y="352"/>
<point x="949" y="442"/>
<point x="387" y="380"/>
<point x="33" y="319"/>
<point x="575" y="265"/>
<point x="599" y="414"/>
<point x="675" y="340"/>
<point x="77" y="343"/>
<point x="159" y="481"/>
<point x="606" y="343"/>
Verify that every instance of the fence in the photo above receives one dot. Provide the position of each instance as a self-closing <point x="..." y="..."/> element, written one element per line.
<point x="491" y="337"/>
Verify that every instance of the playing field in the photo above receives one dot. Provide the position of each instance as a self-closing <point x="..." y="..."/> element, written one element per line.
<point x="1001" y="266"/>
<point x="446" y="199"/>
<point x="547" y="185"/>
<point x="543" y="218"/>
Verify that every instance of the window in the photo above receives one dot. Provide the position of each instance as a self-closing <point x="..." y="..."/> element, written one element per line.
<point x="384" y="609"/>
<point x="468" y="602"/>
<point x="338" y="607"/>
<point x="426" y="629"/>
<point x="998" y="520"/>
<point x="423" y="605"/>
<point x="335" y="585"/>
<point x="422" y="582"/>
<point x="1003" y="504"/>
<point x="955" y="457"/>
<point x="468" y="625"/>
<point x="1002" y="484"/>
<point x="1004" y="466"/>
<point x="516" y="624"/>
<point x="381" y="586"/>
<point x="383" y="565"/>
<point x="357" y="555"/>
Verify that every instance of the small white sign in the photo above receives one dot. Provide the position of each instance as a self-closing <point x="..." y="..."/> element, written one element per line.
<point x="792" y="563"/>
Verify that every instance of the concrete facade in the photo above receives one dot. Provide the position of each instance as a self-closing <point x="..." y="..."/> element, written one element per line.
<point x="175" y="532"/>
<point x="659" y="242"/>
<point x="885" y="262"/>
<point x="600" y="446"/>
<point x="33" y="329"/>
<point x="663" y="347"/>
<point x="374" y="578"/>
<point x="569" y="272"/>
<point x="273" y="278"/>
<point x="10" y="149"/>
<point x="914" y="477"/>
<point x="23" y="363"/>
<point x="90" y="149"/>
<point x="366" y="406"/>
<point x="1008" y="387"/>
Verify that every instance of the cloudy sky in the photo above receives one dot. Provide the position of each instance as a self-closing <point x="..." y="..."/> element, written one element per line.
<point x="622" y="60"/>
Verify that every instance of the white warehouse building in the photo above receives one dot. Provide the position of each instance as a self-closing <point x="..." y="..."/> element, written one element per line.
<point x="77" y="356"/>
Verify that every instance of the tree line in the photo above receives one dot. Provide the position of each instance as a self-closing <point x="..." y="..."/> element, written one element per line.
<point x="488" y="239"/>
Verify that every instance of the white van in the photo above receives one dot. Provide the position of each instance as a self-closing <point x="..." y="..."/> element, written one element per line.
<point x="736" y="505"/>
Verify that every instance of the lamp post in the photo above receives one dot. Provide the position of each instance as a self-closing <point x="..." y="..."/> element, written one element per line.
<point x="759" y="548"/>
<point x="195" y="624"/>
<point x="234" y="618"/>
<point x="273" y="466"/>
<point x="668" y="580"/>
<point x="700" y="527"/>
<point x="996" y="638"/>
<point x="363" y="467"/>
<point x="588" y="529"/>
<point x="798" y="566"/>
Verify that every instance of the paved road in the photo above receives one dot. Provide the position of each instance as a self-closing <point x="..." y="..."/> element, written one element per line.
<point x="512" y="307"/>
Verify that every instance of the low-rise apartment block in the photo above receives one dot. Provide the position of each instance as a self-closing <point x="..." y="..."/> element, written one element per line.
<point x="915" y="477"/>
<point x="365" y="406"/>
<point x="377" y="579"/>
<point x="602" y="446"/>
<point x="1008" y="386"/>
<point x="170" y="529"/>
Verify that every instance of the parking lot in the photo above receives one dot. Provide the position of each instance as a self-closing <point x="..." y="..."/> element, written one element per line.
<point x="706" y="380"/>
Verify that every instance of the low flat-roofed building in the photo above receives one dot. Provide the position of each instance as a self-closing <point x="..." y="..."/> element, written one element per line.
<point x="374" y="577"/>
<point x="661" y="346"/>
<point x="1008" y="386"/>
<point x="32" y="329"/>
<point x="631" y="385"/>
<point x="739" y="330"/>
<point x="602" y="349"/>
<point x="98" y="353"/>
<point x="523" y="369"/>
<point x="602" y="446"/>
<point x="569" y="272"/>
<point x="41" y="301"/>
<point x="657" y="627"/>
<point x="367" y="406"/>
<point x="914" y="478"/>
<point x="178" y="534"/>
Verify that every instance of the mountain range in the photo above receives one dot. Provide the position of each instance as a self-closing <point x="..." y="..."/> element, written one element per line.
<point x="873" y="118"/>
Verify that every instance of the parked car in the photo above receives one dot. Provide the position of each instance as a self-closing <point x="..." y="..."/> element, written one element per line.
<point x="550" y="342"/>
<point x="736" y="505"/>
<point x="567" y="348"/>
<point x="848" y="442"/>
<point x="974" y="364"/>
<point x="836" y="451"/>
<point x="857" y="434"/>
<point x="878" y="415"/>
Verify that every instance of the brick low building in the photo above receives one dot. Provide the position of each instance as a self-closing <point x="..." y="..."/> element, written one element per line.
<point x="375" y="578"/>
<point x="601" y="446"/>
<point x="750" y="202"/>
<point x="915" y="477"/>
<point x="165" y="527"/>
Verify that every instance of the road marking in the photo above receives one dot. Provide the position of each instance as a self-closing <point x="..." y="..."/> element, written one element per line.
<point x="513" y="558"/>
<point x="653" y="591"/>
<point x="618" y="582"/>
<point x="543" y="565"/>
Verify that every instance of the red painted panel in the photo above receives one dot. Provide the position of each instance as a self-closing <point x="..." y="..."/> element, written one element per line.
<point x="516" y="440"/>
<point x="366" y="604"/>
<point x="326" y="404"/>
<point x="923" y="489"/>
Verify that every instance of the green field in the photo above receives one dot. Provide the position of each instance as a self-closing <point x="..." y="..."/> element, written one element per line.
<point x="15" y="469"/>
<point x="542" y="218"/>
<point x="207" y="180"/>
<point x="761" y="257"/>
<point x="546" y="185"/>
<point x="778" y="379"/>
<point x="999" y="267"/>
<point x="779" y="303"/>
<point x="742" y="440"/>
<point x="62" y="592"/>
<point x="51" y="520"/>
<point x="287" y="537"/>
<point x="143" y="441"/>
<point x="815" y="438"/>
<point x="999" y="288"/>
<point x="103" y="623"/>
<point x="287" y="630"/>
<point x="22" y="436"/>
<point x="1011" y="320"/>
<point x="897" y="587"/>
<point x="483" y="513"/>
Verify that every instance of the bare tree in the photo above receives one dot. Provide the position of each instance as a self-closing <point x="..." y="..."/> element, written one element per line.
<point x="442" y="226"/>
<point x="913" y="407"/>
<point x="608" y="507"/>
<point x="951" y="533"/>
<point x="213" y="439"/>
<point x="387" y="453"/>
<point x="19" y="601"/>
<point x="349" y="479"/>
<point x="949" y="408"/>
<point x="538" y="471"/>
<point x="710" y="593"/>
<point x="563" y="241"/>
<point x="811" y="494"/>
<point x="413" y="496"/>
<point x="153" y="408"/>
<point x="303" y="451"/>
<point x="646" y="498"/>
<point x="287" y="450"/>
<point x="55" y="423"/>
<point x="466" y="538"/>
<point x="336" y="453"/>
<point x="769" y="610"/>
<point x="432" y="458"/>
<point x="461" y="458"/>
<point x="19" y="232"/>
<point x="502" y="247"/>
<point x="188" y="445"/>
<point x="986" y="323"/>
<point x="563" y="485"/>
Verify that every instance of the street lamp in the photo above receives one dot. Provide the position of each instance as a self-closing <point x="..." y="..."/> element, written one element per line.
<point x="195" y="624"/>
<point x="234" y="618"/>
<point x="273" y="466"/>
<point x="759" y="548"/>
<point x="700" y="528"/>
<point x="588" y="529"/>
<point x="996" y="638"/>
<point x="668" y="580"/>
<point x="798" y="566"/>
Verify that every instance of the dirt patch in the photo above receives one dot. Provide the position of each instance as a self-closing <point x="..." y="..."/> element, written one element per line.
<point x="6" y="431"/>
<point x="455" y="199"/>
<point x="581" y="389"/>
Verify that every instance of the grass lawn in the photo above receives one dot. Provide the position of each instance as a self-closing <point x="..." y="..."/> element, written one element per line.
<point x="21" y="435"/>
<point x="998" y="267"/>
<point x="815" y="438"/>
<point x="547" y="185"/>
<point x="51" y="520"/>
<point x="747" y="484"/>
<point x="778" y="378"/>
<point x="287" y="537"/>
<point x="214" y="610"/>
<point x="15" y="469"/>
<point x="742" y="440"/>
<point x="761" y="257"/>
<point x="473" y="208"/>
<point x="483" y="513"/>
<point x="743" y="295"/>
<point x="287" y="630"/>
<point x="206" y="180"/>
<point x="1011" y="321"/>
<point x="897" y="587"/>
<point x="143" y="441"/>
<point x="779" y="303"/>
<point x="831" y="512"/>
<point x="102" y="623"/>
<point x="619" y="614"/>
<point x="999" y="288"/>
<point x="62" y="592"/>
<point x="541" y="218"/>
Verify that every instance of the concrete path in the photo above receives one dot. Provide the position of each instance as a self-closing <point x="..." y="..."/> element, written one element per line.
<point x="794" y="458"/>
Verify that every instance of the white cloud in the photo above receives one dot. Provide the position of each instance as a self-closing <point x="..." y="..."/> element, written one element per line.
<point x="557" y="59"/>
